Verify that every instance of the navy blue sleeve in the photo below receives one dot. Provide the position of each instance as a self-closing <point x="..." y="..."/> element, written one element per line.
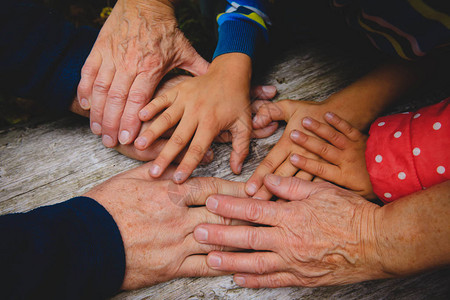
<point x="41" y="55"/>
<point x="71" y="250"/>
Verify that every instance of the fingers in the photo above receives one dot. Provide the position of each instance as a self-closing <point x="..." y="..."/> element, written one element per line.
<point x="256" y="263"/>
<point x="114" y="106"/>
<point x="263" y="92"/>
<point x="246" y="209"/>
<point x="88" y="74"/>
<point x="196" y="266"/>
<point x="243" y="237"/>
<point x="195" y="153"/>
<point x="177" y="142"/>
<point x="317" y="168"/>
<point x="161" y="124"/>
<point x="157" y="105"/>
<point x="195" y="191"/>
<point x="291" y="188"/>
<point x="266" y="131"/>
<point x="321" y="148"/>
<point x="241" y="133"/>
<point x="100" y="91"/>
<point x="144" y="155"/>
<point x="273" y="280"/>
<point x="343" y="126"/>
<point x="275" y="157"/>
<point x="268" y="112"/>
<point x="140" y="92"/>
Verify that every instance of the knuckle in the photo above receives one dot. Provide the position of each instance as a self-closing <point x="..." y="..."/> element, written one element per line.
<point x="274" y="281"/>
<point x="101" y="87"/>
<point x="260" y="264"/>
<point x="196" y="150"/>
<point x="137" y="97"/>
<point x="268" y="164"/>
<point x="117" y="97"/>
<point x="254" y="239"/>
<point x="294" y="185"/>
<point x="167" y="119"/>
<point x="177" y="140"/>
<point x="88" y="70"/>
<point x="320" y="170"/>
<point x="253" y="212"/>
<point x="324" y="149"/>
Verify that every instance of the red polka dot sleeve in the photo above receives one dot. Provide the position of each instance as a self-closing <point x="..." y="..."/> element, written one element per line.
<point x="409" y="152"/>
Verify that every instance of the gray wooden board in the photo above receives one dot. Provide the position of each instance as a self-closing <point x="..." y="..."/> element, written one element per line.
<point x="48" y="162"/>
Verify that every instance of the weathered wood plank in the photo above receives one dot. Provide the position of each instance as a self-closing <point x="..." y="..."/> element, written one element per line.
<point x="49" y="162"/>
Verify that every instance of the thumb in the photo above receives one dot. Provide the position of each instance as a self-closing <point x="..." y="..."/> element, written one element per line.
<point x="263" y="92"/>
<point x="267" y="112"/>
<point x="190" y="60"/>
<point x="291" y="188"/>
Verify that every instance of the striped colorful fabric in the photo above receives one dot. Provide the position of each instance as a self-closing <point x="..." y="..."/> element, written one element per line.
<point x="242" y="26"/>
<point x="405" y="28"/>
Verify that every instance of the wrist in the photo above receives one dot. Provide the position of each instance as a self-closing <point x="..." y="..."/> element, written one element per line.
<point x="235" y="67"/>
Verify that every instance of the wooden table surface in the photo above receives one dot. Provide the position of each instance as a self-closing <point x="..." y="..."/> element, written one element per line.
<point x="49" y="161"/>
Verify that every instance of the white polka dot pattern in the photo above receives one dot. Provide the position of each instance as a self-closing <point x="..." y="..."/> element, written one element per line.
<point x="387" y="195"/>
<point x="440" y="170"/>
<point x="416" y="151"/>
<point x="381" y="124"/>
<point x="401" y="175"/>
<point x="398" y="134"/>
<point x="437" y="126"/>
<point x="378" y="158"/>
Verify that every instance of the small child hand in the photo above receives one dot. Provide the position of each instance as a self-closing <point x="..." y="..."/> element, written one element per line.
<point x="343" y="152"/>
<point x="201" y="108"/>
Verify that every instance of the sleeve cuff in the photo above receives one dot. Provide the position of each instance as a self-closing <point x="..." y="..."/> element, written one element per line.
<point x="238" y="36"/>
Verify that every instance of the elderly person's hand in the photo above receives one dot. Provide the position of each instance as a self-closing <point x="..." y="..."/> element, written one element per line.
<point x="156" y="221"/>
<point x="137" y="46"/>
<point x="326" y="235"/>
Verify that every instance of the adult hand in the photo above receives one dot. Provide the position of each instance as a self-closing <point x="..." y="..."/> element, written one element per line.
<point x="137" y="46"/>
<point x="324" y="236"/>
<point x="156" y="223"/>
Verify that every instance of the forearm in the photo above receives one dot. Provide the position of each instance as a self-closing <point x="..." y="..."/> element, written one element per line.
<point x="361" y="102"/>
<point x="413" y="233"/>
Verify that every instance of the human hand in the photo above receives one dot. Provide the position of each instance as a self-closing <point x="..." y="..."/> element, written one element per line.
<point x="343" y="152"/>
<point x="278" y="159"/>
<point x="156" y="223"/>
<point x="324" y="236"/>
<point x="203" y="107"/>
<point x="137" y="46"/>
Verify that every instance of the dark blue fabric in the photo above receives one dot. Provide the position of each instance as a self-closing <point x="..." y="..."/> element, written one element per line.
<point x="41" y="55"/>
<point x="71" y="250"/>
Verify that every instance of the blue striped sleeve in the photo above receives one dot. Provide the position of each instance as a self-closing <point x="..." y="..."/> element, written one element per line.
<point x="242" y="27"/>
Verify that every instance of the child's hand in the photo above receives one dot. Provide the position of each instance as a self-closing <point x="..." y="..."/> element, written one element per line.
<point x="277" y="161"/>
<point x="344" y="154"/>
<point x="201" y="108"/>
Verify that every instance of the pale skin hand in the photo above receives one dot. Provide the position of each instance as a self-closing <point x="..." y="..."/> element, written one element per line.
<point x="327" y="235"/>
<point x="323" y="236"/>
<point x="342" y="150"/>
<point x="359" y="103"/>
<point x="156" y="224"/>
<point x="137" y="46"/>
<point x="201" y="108"/>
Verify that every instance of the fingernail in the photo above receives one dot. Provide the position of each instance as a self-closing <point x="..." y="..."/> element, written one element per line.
<point x="295" y="134"/>
<point x="307" y="121"/>
<point x="141" y="142"/>
<point x="201" y="234"/>
<point x="251" y="189"/>
<point x="295" y="158"/>
<point x="329" y="115"/>
<point x="257" y="198"/>
<point x="143" y="114"/>
<point x="214" y="261"/>
<point x="96" y="128"/>
<point x="84" y="103"/>
<point x="255" y="119"/>
<point x="179" y="176"/>
<point x="107" y="141"/>
<point x="155" y="169"/>
<point x="239" y="169"/>
<point x="212" y="203"/>
<point x="239" y="280"/>
<point x="210" y="154"/>
<point x="273" y="179"/>
<point x="124" y="137"/>
<point x="269" y="89"/>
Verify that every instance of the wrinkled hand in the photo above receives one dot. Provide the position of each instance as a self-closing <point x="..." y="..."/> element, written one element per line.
<point x="201" y="108"/>
<point x="324" y="236"/>
<point x="278" y="159"/>
<point x="156" y="223"/>
<point x="343" y="152"/>
<point x="137" y="46"/>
